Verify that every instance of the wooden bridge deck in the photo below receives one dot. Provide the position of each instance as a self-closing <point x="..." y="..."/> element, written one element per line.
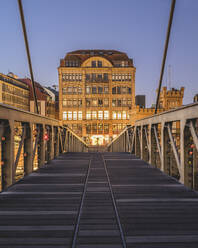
<point x="93" y="200"/>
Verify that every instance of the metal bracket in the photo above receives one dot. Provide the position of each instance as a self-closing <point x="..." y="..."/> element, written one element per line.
<point x="20" y="147"/>
<point x="147" y="141"/>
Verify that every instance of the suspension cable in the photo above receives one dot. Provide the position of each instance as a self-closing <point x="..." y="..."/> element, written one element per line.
<point x="165" y="52"/>
<point x="28" y="52"/>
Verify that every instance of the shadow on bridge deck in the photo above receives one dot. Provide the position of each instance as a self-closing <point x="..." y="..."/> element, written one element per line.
<point x="94" y="200"/>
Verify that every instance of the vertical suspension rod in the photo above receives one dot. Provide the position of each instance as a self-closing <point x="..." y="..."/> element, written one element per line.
<point x="28" y="52"/>
<point x="165" y="52"/>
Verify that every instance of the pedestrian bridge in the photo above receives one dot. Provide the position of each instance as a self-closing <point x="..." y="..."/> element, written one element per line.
<point x="139" y="193"/>
<point x="98" y="200"/>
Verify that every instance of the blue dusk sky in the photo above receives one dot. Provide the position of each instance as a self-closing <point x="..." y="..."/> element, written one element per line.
<point x="137" y="27"/>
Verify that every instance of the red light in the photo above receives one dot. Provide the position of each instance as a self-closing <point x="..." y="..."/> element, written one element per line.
<point x="46" y="137"/>
<point x="192" y="146"/>
<point x="190" y="153"/>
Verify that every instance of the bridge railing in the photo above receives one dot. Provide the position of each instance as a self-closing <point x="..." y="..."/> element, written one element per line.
<point x="168" y="140"/>
<point x="28" y="141"/>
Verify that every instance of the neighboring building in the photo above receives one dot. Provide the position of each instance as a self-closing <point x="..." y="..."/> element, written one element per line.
<point x="195" y="99"/>
<point x="171" y="98"/>
<point x="14" y="92"/>
<point x="140" y="100"/>
<point x="96" y="92"/>
<point x="46" y="100"/>
<point x="168" y="99"/>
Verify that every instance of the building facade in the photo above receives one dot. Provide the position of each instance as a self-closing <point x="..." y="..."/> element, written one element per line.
<point x="14" y="92"/>
<point x="172" y="98"/>
<point x="96" y="93"/>
<point x="45" y="99"/>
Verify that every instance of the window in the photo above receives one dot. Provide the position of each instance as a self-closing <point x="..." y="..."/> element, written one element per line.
<point x="106" y="114"/>
<point x="77" y="77"/>
<point x="100" y="128"/>
<point x="106" y="90"/>
<point x="69" y="103"/>
<point x="129" y="90"/>
<point x="118" y="90"/>
<point x="124" y="90"/>
<point x="69" y="90"/>
<point x="114" y="103"/>
<point x="93" y="77"/>
<point x="75" y="115"/>
<point x="64" y="102"/>
<point x="99" y="63"/>
<point x="100" y="102"/>
<point x="119" y="127"/>
<point x="79" y="102"/>
<point x="79" y="90"/>
<point x="70" y="115"/>
<point x="88" y="102"/>
<point x="94" y="102"/>
<point x="129" y="76"/>
<point x="88" y="115"/>
<point x="74" y="102"/>
<point x="93" y="63"/>
<point x="94" y="128"/>
<point x="120" y="77"/>
<point x="88" y="128"/>
<point x="64" y="115"/>
<point x="94" y="115"/>
<point x="100" y="90"/>
<point x="129" y="102"/>
<point x="114" y="90"/>
<point x="79" y="115"/>
<point x="115" y="128"/>
<point x="124" y="102"/>
<point x="119" y="104"/>
<point x="100" y="115"/>
<point x="88" y="90"/>
<point x="87" y="77"/>
<point x="119" y="116"/>
<point x="94" y="90"/>
<point x="75" y="90"/>
<point x="114" y="115"/>
<point x="99" y="78"/>
<point x="64" y="91"/>
<point x="106" y="102"/>
<point x="113" y="77"/>
<point x="105" y="77"/>
<point x="124" y="115"/>
<point x="80" y="77"/>
<point x="106" y="128"/>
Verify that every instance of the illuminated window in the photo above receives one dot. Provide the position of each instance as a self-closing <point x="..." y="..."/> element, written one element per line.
<point x="114" y="115"/>
<point x="88" y="128"/>
<point x="124" y="90"/>
<point x="124" y="102"/>
<point x="74" y="102"/>
<point x="94" y="128"/>
<point x="64" y="102"/>
<point x="77" y="77"/>
<point x="94" y="115"/>
<point x="116" y="77"/>
<point x="79" y="115"/>
<point x="129" y="102"/>
<point x="94" y="102"/>
<point x="119" y="116"/>
<point x="88" y="115"/>
<point x="88" y="90"/>
<point x="80" y="77"/>
<point x="128" y="116"/>
<point x="119" y="127"/>
<point x="113" y="77"/>
<point x="129" y="76"/>
<point x="106" y="90"/>
<point x="69" y="103"/>
<point x="70" y="115"/>
<point x="75" y="115"/>
<point x="106" y="114"/>
<point x="100" y="115"/>
<point x="124" y="115"/>
<point x="64" y="115"/>
<point x="73" y="77"/>
<point x="69" y="90"/>
<point x="106" y="128"/>
<point x="106" y="102"/>
<point x="79" y="102"/>
<point x="120" y="77"/>
<point x="100" y="128"/>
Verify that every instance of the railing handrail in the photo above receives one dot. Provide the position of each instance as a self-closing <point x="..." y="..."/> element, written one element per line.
<point x="168" y="111"/>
